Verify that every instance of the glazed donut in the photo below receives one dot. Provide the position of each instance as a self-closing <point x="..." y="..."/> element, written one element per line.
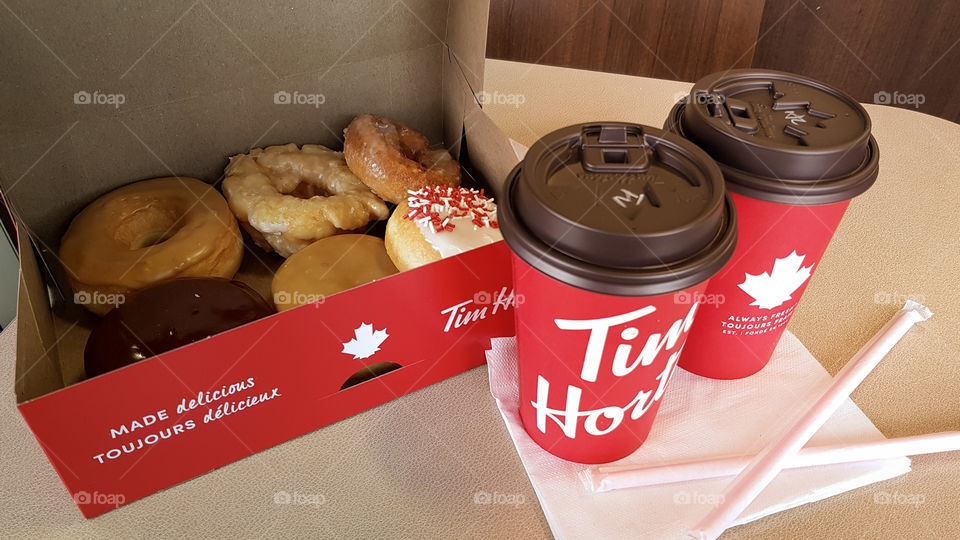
<point x="147" y="232"/>
<point x="436" y="222"/>
<point x="393" y="159"/>
<point x="329" y="266"/>
<point x="169" y="315"/>
<point x="288" y="197"/>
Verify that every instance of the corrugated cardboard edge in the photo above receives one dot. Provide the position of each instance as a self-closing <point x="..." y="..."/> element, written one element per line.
<point x="37" y="364"/>
<point x="467" y="38"/>
<point x="462" y="66"/>
<point x="489" y="148"/>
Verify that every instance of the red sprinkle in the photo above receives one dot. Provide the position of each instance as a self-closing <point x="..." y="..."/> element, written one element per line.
<point x="436" y="204"/>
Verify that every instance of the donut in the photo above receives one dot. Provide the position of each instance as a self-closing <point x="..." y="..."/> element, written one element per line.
<point x="287" y="197"/>
<point x="147" y="232"/>
<point x="436" y="222"/>
<point x="169" y="315"/>
<point x="393" y="159"/>
<point x="329" y="266"/>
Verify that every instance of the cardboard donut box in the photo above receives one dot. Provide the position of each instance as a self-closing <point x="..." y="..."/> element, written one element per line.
<point x="175" y="89"/>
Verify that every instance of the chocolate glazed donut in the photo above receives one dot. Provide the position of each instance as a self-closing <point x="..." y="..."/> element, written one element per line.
<point x="167" y="316"/>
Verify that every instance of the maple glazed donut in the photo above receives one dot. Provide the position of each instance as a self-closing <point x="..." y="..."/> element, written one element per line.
<point x="147" y="232"/>
<point x="393" y="159"/>
<point x="287" y="197"/>
<point x="329" y="266"/>
<point x="436" y="222"/>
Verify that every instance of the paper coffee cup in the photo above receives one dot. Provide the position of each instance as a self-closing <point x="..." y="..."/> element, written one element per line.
<point x="615" y="230"/>
<point x="793" y="152"/>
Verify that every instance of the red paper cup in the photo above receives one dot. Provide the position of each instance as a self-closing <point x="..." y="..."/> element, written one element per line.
<point x="793" y="152"/>
<point x="751" y="300"/>
<point x="615" y="229"/>
<point x="594" y="366"/>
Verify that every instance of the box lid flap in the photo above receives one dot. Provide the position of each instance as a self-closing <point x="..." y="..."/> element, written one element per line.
<point x="97" y="96"/>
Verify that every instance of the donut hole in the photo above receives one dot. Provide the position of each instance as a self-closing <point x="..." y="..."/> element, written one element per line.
<point x="409" y="146"/>
<point x="147" y="227"/>
<point x="433" y="159"/>
<point x="407" y="151"/>
<point x="291" y="183"/>
<point x="306" y="190"/>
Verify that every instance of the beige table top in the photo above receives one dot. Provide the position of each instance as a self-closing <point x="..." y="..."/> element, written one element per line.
<point x="410" y="468"/>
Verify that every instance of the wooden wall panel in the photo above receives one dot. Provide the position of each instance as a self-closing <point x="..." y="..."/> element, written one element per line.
<point x="868" y="46"/>
<point x="861" y="46"/>
<point x="680" y="39"/>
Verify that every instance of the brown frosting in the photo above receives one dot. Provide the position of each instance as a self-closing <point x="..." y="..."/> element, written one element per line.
<point x="167" y="316"/>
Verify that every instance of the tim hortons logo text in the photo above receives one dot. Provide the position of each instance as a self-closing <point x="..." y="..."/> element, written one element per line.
<point x="476" y="308"/>
<point x="622" y="364"/>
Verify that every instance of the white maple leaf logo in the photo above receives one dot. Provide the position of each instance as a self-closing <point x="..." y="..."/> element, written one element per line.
<point x="769" y="290"/>
<point x="365" y="341"/>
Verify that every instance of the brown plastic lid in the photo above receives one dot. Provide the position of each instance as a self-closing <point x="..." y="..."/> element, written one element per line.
<point x="620" y="209"/>
<point x="780" y="136"/>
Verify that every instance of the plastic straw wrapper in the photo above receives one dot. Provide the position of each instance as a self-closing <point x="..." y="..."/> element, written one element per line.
<point x="612" y="477"/>
<point x="765" y="466"/>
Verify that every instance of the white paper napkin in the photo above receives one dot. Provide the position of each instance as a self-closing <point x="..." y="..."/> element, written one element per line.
<point x="698" y="418"/>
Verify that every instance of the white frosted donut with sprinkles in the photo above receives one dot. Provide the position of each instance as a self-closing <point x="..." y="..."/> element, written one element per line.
<point x="435" y="222"/>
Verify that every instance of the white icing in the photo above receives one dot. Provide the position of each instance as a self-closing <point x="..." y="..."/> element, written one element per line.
<point x="464" y="236"/>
